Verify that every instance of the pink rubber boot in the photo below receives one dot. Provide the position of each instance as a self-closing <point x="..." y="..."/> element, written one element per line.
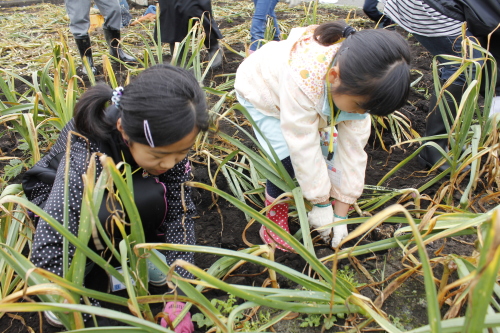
<point x="279" y="215"/>
<point x="173" y="309"/>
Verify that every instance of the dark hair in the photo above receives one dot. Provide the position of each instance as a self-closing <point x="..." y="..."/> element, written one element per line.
<point x="168" y="97"/>
<point x="373" y="63"/>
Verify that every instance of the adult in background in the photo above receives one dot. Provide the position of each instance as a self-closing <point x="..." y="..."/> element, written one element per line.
<point x="263" y="10"/>
<point x="437" y="25"/>
<point x="174" y="22"/>
<point x="371" y="10"/>
<point x="79" y="24"/>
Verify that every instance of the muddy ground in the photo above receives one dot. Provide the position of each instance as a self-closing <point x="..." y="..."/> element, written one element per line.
<point x="222" y="226"/>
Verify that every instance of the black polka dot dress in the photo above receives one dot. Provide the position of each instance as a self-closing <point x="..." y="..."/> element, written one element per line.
<point x="166" y="217"/>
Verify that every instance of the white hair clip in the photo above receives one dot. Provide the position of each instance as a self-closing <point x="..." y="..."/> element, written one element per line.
<point x="147" y="134"/>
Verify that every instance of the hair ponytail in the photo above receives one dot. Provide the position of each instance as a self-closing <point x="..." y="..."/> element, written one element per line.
<point x="89" y="116"/>
<point x="331" y="32"/>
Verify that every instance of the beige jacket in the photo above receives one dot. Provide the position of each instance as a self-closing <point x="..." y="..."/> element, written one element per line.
<point x="286" y="80"/>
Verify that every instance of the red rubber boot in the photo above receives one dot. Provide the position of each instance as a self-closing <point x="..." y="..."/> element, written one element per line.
<point x="279" y="215"/>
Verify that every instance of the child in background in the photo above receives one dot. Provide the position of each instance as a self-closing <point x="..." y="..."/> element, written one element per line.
<point x="151" y="125"/>
<point x="263" y="9"/>
<point x="296" y="87"/>
<point x="174" y="23"/>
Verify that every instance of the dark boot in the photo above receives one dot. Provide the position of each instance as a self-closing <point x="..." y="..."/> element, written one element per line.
<point x="85" y="50"/>
<point x="212" y="52"/>
<point x="435" y="125"/>
<point x="113" y="39"/>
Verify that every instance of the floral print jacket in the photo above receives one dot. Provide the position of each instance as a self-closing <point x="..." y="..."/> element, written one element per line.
<point x="286" y="80"/>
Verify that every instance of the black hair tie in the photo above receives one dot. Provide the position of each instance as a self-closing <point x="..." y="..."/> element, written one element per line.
<point x="348" y="30"/>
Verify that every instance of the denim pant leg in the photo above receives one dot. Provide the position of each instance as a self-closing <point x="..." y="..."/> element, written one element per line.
<point x="450" y="45"/>
<point x="263" y="8"/>
<point x="277" y="32"/>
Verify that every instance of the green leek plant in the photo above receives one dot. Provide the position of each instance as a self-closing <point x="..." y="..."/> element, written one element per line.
<point x="472" y="129"/>
<point x="311" y="13"/>
<point x="46" y="105"/>
<point x="328" y="294"/>
<point x="52" y="289"/>
<point x="16" y="233"/>
<point x="441" y="226"/>
<point x="74" y="272"/>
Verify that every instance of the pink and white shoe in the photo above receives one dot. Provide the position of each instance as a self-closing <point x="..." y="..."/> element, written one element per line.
<point x="279" y="215"/>
<point x="172" y="309"/>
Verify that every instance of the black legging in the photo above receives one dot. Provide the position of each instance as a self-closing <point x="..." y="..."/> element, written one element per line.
<point x="273" y="190"/>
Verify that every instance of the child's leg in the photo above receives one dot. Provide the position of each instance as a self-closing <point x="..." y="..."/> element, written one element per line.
<point x="270" y="129"/>
<point x="279" y="212"/>
<point x="180" y="231"/>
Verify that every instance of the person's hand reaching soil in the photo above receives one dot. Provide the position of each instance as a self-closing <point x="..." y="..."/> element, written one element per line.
<point x="320" y="216"/>
<point x="339" y="232"/>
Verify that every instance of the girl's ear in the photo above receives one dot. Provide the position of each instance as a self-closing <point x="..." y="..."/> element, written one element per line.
<point x="333" y="75"/>
<point x="119" y="127"/>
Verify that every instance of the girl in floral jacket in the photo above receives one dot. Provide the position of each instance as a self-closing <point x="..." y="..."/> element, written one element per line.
<point x="322" y="83"/>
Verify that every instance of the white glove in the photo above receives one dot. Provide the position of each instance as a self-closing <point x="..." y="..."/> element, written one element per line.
<point x="339" y="232"/>
<point x="321" y="216"/>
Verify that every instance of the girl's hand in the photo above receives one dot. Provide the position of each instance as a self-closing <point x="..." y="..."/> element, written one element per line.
<point x="339" y="232"/>
<point x="320" y="216"/>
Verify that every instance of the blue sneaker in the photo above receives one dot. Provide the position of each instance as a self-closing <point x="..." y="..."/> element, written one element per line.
<point x="156" y="277"/>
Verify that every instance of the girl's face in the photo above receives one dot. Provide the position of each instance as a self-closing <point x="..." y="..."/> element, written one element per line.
<point x="347" y="103"/>
<point x="159" y="160"/>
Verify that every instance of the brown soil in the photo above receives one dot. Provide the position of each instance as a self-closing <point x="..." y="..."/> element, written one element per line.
<point x="223" y="225"/>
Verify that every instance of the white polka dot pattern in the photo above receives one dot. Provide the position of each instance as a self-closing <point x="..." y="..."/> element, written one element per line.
<point x="47" y="245"/>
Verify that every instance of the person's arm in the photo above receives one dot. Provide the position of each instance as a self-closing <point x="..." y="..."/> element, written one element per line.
<point x="47" y="250"/>
<point x="299" y="121"/>
<point x="350" y="165"/>
<point x="350" y="161"/>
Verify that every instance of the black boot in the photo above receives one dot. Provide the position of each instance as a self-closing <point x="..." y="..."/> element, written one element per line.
<point x="113" y="40"/>
<point x="435" y="125"/>
<point x="214" y="47"/>
<point x="85" y="50"/>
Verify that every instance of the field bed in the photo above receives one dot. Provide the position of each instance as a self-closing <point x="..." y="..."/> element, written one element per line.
<point x="26" y="34"/>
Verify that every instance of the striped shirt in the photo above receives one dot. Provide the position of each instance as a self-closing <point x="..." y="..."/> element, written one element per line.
<point x="417" y="17"/>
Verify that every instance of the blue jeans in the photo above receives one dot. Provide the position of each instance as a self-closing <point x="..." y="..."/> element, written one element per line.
<point x="446" y="45"/>
<point x="151" y="10"/>
<point x="263" y="8"/>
